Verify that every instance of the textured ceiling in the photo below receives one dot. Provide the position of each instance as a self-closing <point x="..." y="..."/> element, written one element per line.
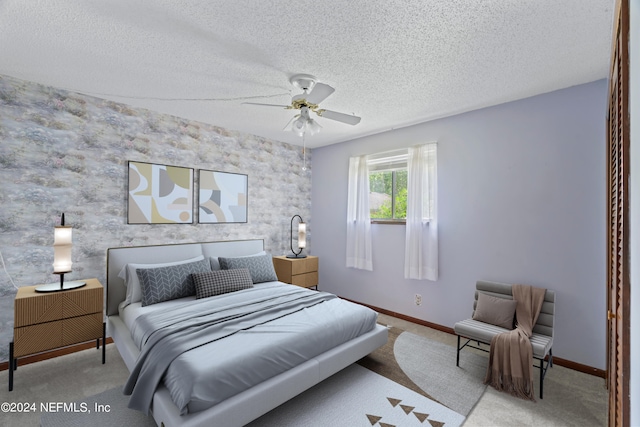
<point x="392" y="62"/>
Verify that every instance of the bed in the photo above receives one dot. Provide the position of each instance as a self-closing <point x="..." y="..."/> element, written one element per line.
<point x="313" y="335"/>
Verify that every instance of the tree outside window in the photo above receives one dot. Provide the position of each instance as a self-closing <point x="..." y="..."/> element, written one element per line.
<point x="388" y="194"/>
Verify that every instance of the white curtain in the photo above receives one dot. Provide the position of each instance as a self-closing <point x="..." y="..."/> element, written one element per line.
<point x="358" y="219"/>
<point x="421" y="245"/>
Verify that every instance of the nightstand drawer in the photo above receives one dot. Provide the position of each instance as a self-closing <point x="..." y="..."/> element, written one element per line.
<point x="304" y="265"/>
<point x="33" y="308"/>
<point x="37" y="338"/>
<point x="83" y="328"/>
<point x="40" y="308"/>
<point x="88" y="301"/>
<point x="306" y="280"/>
<point x="50" y="335"/>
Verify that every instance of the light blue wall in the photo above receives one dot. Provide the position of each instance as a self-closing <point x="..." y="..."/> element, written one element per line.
<point x="521" y="200"/>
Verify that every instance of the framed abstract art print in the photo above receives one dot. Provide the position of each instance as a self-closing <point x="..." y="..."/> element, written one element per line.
<point x="159" y="194"/>
<point x="222" y="197"/>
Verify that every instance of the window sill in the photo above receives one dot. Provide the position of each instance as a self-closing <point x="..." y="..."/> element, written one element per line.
<point x="394" y="221"/>
<point x="389" y="221"/>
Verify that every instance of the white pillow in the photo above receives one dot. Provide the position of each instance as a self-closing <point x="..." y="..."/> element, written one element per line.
<point x="131" y="281"/>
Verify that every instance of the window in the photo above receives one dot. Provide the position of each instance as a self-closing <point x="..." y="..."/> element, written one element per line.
<point x="398" y="187"/>
<point x="388" y="186"/>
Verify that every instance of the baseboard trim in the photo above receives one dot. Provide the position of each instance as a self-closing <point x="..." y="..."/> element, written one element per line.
<point x="556" y="360"/>
<point x="53" y="353"/>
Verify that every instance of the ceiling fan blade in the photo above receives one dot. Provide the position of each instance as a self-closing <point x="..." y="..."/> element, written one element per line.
<point x="267" y="105"/>
<point x="319" y="93"/>
<point x="340" y="117"/>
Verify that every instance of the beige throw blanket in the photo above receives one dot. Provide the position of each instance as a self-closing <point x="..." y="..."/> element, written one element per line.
<point x="511" y="355"/>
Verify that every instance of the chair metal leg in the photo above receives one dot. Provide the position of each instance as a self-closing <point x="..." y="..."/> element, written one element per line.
<point x="104" y="342"/>
<point x="458" y="352"/>
<point x="542" y="376"/>
<point x="543" y="370"/>
<point x="12" y="362"/>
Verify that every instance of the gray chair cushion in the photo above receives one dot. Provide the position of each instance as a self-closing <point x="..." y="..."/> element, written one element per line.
<point x="496" y="311"/>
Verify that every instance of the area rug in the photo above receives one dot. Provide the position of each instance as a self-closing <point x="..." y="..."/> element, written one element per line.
<point x="357" y="396"/>
<point x="432" y="366"/>
<point x="410" y="381"/>
<point x="428" y="367"/>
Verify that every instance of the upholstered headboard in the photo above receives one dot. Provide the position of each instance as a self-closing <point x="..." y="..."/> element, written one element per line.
<point x="119" y="257"/>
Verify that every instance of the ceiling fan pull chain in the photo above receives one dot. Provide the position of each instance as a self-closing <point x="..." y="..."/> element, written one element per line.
<point x="304" y="152"/>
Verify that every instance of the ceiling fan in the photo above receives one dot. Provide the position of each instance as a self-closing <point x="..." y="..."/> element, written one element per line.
<point x="313" y="93"/>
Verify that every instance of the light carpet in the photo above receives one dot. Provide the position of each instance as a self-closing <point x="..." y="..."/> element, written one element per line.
<point x="108" y="408"/>
<point x="411" y="380"/>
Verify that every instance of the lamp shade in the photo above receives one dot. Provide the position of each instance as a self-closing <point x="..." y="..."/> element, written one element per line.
<point x="302" y="235"/>
<point x="62" y="249"/>
<point x="61" y="260"/>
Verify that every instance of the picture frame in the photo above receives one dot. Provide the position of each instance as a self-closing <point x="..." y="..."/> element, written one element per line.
<point x="159" y="194"/>
<point x="222" y="197"/>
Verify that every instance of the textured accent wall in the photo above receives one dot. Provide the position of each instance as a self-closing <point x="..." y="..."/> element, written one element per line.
<point x="67" y="152"/>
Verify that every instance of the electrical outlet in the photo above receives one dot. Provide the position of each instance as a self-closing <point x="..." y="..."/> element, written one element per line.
<point x="418" y="299"/>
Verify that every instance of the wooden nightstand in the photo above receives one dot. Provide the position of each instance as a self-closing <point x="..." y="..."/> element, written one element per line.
<point x="297" y="271"/>
<point x="50" y="320"/>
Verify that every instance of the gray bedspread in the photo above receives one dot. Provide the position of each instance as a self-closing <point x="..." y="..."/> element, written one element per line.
<point x="266" y="330"/>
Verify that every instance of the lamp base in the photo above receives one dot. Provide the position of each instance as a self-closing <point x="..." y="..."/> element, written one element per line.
<point x="296" y="256"/>
<point x="56" y="287"/>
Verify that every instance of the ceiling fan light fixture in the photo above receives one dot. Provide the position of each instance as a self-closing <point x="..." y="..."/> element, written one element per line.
<point x="299" y="125"/>
<point x="302" y="126"/>
<point x="313" y="127"/>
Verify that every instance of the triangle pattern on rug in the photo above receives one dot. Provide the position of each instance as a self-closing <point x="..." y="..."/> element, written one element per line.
<point x="420" y="416"/>
<point x="407" y="409"/>
<point x="373" y="419"/>
<point x="394" y="402"/>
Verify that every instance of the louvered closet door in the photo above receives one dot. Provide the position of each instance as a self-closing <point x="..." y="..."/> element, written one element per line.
<point x="618" y="225"/>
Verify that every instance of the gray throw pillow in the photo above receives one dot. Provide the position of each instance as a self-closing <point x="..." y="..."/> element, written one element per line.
<point x="496" y="311"/>
<point x="167" y="283"/>
<point x="219" y="282"/>
<point x="260" y="267"/>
